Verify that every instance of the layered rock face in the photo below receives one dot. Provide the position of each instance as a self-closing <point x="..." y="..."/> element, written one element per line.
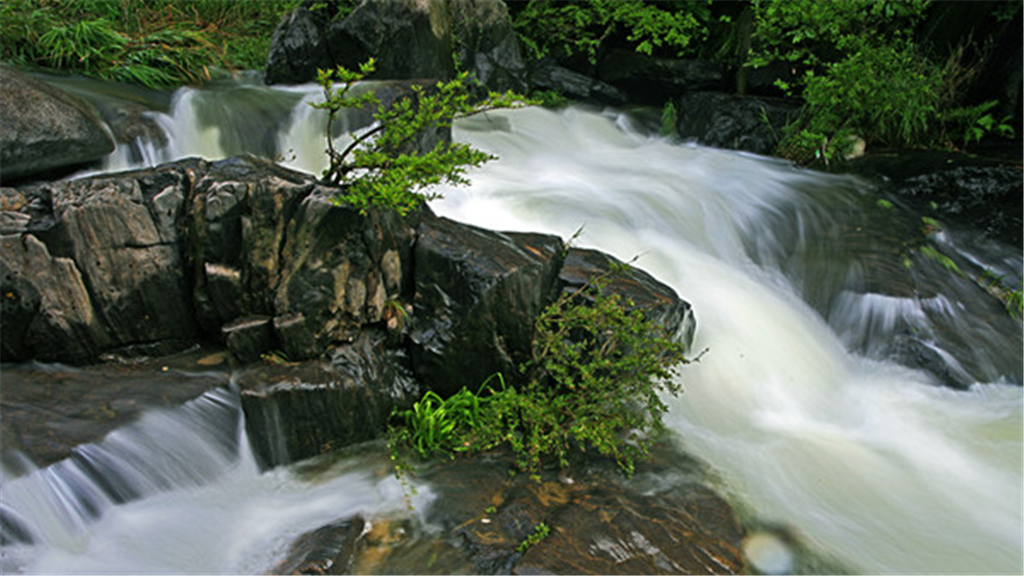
<point x="264" y="260"/>
<point x="261" y="258"/>
<point x="43" y="128"/>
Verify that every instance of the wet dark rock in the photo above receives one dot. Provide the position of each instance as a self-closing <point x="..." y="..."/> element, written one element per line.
<point x="981" y="194"/>
<point x="326" y="550"/>
<point x="48" y="410"/>
<point x="249" y="336"/>
<point x="651" y="80"/>
<point x="607" y="531"/>
<point x="339" y="271"/>
<point x="406" y="39"/>
<point x="576" y="85"/>
<point x="298" y="48"/>
<point x="486" y="45"/>
<point x="296" y="411"/>
<point x="476" y="296"/>
<point x="660" y="304"/>
<point x="44" y="128"/>
<point x="102" y="258"/>
<point x="599" y="522"/>
<point x="154" y="260"/>
<point x="734" y="122"/>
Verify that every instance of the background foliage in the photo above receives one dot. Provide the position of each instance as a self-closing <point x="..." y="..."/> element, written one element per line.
<point x="156" y="43"/>
<point x="571" y="28"/>
<point x="860" y="71"/>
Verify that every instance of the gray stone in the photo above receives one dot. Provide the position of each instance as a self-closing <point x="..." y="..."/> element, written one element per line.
<point x="734" y="122"/>
<point x="298" y="48"/>
<point x="44" y="128"/>
<point x="249" y="337"/>
<point x="651" y="80"/>
<point x="486" y="45"/>
<point x="576" y="86"/>
<point x="408" y="39"/>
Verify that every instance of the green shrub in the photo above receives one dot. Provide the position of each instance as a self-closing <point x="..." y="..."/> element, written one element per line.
<point x="595" y="381"/>
<point x="381" y="167"/>
<point x="860" y="73"/>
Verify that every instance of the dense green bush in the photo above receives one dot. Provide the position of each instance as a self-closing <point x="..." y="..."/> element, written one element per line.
<point x="860" y="73"/>
<point x="595" y="381"/>
<point x="156" y="43"/>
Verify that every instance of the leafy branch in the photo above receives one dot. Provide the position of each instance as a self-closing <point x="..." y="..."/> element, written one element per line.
<point x="382" y="166"/>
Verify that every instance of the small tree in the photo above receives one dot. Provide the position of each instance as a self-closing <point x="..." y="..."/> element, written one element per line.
<point x="381" y="167"/>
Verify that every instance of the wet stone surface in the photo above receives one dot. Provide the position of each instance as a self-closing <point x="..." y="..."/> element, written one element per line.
<point x="48" y="409"/>
<point x="661" y="521"/>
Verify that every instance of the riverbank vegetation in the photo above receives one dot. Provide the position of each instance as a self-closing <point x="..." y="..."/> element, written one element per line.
<point x="157" y="43"/>
<point x="859" y="67"/>
<point x="862" y="74"/>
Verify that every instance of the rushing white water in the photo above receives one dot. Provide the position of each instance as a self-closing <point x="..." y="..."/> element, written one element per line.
<point x="868" y="461"/>
<point x="805" y="404"/>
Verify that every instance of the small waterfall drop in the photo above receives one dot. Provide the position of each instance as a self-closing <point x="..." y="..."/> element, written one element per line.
<point x="180" y="492"/>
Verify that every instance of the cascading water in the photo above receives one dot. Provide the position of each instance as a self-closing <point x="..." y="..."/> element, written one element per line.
<point x="870" y="461"/>
<point x="178" y="492"/>
<point x="818" y="403"/>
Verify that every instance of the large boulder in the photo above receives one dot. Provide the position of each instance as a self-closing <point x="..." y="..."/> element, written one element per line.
<point x="296" y="411"/>
<point x="277" y="264"/>
<point x="94" y="266"/>
<point x="298" y="48"/>
<point x="486" y="44"/>
<point x="151" y="261"/>
<point x="406" y="38"/>
<point x="735" y="122"/>
<point x="43" y="128"/>
<point x="597" y="524"/>
<point x="575" y="85"/>
<point x="477" y="293"/>
<point x="651" y="80"/>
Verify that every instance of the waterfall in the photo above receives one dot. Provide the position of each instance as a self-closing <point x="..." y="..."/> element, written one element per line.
<point x="179" y="492"/>
<point x="820" y="404"/>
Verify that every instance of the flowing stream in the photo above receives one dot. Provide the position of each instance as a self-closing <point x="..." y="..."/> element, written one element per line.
<point x="818" y="405"/>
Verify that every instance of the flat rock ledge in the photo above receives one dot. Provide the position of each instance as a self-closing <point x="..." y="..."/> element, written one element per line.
<point x="599" y="522"/>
